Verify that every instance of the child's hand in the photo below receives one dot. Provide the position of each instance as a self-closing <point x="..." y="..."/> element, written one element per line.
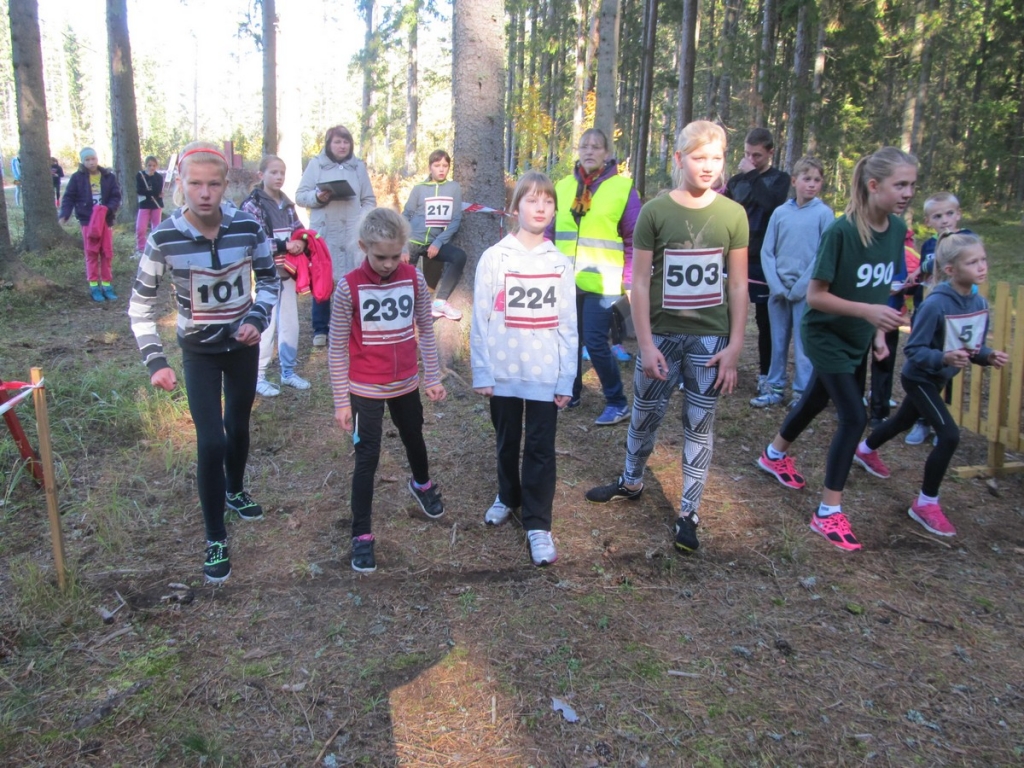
<point x="343" y="416"/>
<point x="727" y="361"/>
<point x="295" y="247"/>
<point x="654" y="364"/>
<point x="998" y="359"/>
<point x="432" y="251"/>
<point x="247" y="334"/>
<point x="958" y="358"/>
<point x="485" y="391"/>
<point x="562" y="400"/>
<point x="879" y="349"/>
<point x="883" y="317"/>
<point x="164" y="379"/>
<point x="436" y="393"/>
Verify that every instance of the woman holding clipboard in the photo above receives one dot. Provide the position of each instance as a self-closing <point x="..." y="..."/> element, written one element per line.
<point x="335" y="187"/>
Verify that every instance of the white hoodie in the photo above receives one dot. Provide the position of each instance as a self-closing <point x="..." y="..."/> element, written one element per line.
<point x="532" y="363"/>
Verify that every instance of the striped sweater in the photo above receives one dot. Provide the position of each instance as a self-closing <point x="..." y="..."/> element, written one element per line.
<point x="212" y="284"/>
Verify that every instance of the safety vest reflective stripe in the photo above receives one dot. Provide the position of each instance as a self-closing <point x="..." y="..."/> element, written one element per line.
<point x="594" y="244"/>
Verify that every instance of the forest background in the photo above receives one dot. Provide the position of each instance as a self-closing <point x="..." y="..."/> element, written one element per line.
<point x="941" y="78"/>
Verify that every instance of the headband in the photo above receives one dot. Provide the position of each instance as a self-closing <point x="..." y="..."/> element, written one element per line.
<point x="200" y="151"/>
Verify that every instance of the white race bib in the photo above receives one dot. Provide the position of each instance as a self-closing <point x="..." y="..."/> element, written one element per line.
<point x="965" y="332"/>
<point x="283" y="234"/>
<point x="386" y="312"/>
<point x="439" y="211"/>
<point x="693" y="278"/>
<point x="220" y="296"/>
<point x="531" y="301"/>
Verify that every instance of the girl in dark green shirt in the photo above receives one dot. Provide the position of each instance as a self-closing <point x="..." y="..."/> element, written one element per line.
<point x="853" y="273"/>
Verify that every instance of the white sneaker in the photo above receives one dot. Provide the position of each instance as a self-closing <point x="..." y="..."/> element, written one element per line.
<point x="294" y="381"/>
<point x="441" y="308"/>
<point x="498" y="513"/>
<point x="320" y="340"/>
<point x="918" y="434"/>
<point x="542" y="547"/>
<point x="266" y="389"/>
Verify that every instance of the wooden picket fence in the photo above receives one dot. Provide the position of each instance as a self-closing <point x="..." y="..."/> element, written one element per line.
<point x="988" y="401"/>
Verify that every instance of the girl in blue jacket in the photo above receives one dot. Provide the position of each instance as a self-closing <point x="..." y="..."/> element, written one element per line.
<point x="948" y="335"/>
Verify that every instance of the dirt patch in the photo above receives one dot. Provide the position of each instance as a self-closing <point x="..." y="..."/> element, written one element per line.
<point x="766" y="648"/>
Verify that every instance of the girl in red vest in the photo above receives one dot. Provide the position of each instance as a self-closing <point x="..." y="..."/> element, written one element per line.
<point x="377" y="310"/>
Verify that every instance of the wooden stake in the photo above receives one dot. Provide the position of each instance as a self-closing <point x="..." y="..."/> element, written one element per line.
<point x="49" y="482"/>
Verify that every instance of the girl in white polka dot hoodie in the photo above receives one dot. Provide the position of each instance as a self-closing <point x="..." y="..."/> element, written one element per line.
<point x="523" y="345"/>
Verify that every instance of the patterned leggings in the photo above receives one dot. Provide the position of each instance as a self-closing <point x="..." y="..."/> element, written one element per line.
<point x="686" y="356"/>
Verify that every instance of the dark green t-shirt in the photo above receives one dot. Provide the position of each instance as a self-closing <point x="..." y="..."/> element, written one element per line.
<point x="697" y="241"/>
<point x="837" y="343"/>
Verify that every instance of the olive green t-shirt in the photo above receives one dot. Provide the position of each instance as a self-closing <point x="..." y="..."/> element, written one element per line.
<point x="837" y="343"/>
<point x="689" y="292"/>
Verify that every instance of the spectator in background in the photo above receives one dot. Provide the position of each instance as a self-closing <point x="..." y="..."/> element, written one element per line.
<point x="57" y="173"/>
<point x="333" y="213"/>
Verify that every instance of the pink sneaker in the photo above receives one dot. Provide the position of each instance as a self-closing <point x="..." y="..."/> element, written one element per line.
<point x="872" y="462"/>
<point x="931" y="517"/>
<point x="782" y="469"/>
<point x="836" y="530"/>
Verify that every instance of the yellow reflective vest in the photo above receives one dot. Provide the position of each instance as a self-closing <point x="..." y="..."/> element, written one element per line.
<point x="595" y="245"/>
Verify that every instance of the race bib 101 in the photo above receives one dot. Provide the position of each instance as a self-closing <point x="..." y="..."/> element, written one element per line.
<point x="439" y="211"/>
<point x="385" y="312"/>
<point x="531" y="301"/>
<point x="220" y="296"/>
<point x="692" y="278"/>
<point x="965" y="332"/>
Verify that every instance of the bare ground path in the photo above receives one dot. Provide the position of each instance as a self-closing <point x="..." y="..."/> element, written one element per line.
<point x="767" y="648"/>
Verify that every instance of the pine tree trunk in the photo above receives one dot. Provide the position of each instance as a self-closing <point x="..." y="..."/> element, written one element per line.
<point x="123" y="120"/>
<point x="687" y="64"/>
<point x="640" y="143"/>
<point x="478" y="56"/>
<point x="365" y="148"/>
<point x="798" y="97"/>
<point x="269" y="77"/>
<point x="41" y="228"/>
<point x="607" y="65"/>
<point x="412" y="93"/>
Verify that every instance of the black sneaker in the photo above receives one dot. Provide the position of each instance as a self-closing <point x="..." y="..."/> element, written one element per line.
<point x="243" y="504"/>
<point x="362" y="554"/>
<point x="616" y="491"/>
<point x="429" y="500"/>
<point x="686" y="535"/>
<point x="217" y="566"/>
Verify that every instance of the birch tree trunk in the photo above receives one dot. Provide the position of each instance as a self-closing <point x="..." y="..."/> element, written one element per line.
<point x="269" y="77"/>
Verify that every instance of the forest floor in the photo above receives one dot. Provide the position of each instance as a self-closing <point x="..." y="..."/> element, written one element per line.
<point x="767" y="647"/>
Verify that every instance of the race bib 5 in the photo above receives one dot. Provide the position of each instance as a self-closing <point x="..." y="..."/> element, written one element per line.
<point x="439" y="211"/>
<point x="692" y="278"/>
<point x="220" y="296"/>
<point x="531" y="301"/>
<point x="965" y="332"/>
<point x="385" y="312"/>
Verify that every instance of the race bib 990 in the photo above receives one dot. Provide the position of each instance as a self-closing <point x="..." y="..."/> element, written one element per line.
<point x="439" y="211"/>
<point x="965" y="332"/>
<point x="386" y="312"/>
<point x="693" y="278"/>
<point x="531" y="301"/>
<point x="220" y="296"/>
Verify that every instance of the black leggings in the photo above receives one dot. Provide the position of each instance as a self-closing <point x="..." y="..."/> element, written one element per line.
<point x="454" y="261"/>
<point x="764" y="338"/>
<point x="368" y="419"/>
<point x="843" y="390"/>
<point x="222" y="441"/>
<point x="923" y="400"/>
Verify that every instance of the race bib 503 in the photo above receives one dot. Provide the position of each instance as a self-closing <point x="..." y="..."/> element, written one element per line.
<point x="531" y="301"/>
<point x="386" y="312"/>
<point x="220" y="296"/>
<point x="692" y="278"/>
